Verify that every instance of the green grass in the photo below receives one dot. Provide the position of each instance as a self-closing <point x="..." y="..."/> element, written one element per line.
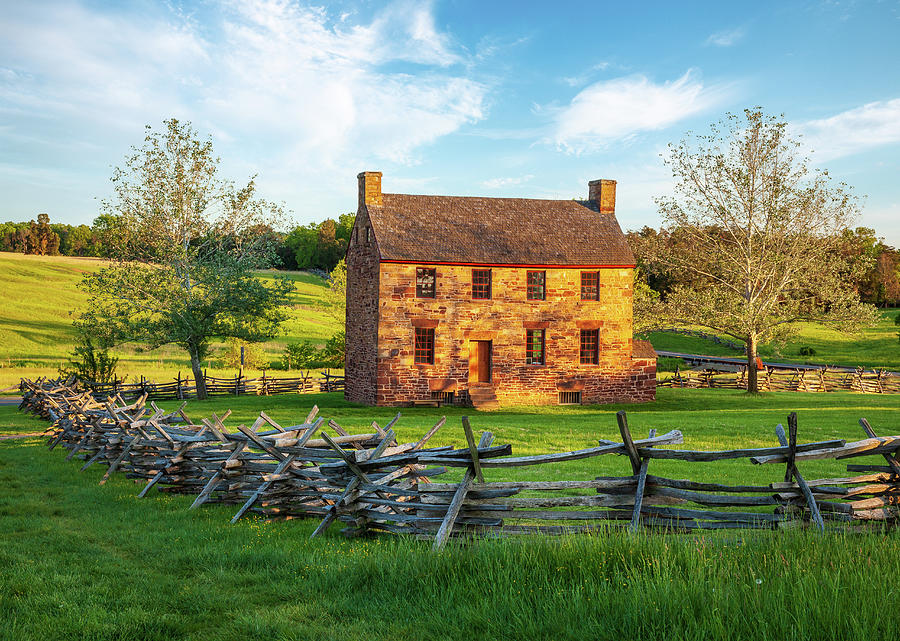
<point x="872" y="347"/>
<point x="84" y="561"/>
<point x="38" y="292"/>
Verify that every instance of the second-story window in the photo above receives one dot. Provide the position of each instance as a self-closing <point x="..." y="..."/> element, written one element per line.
<point x="481" y="284"/>
<point x="534" y="347"/>
<point x="590" y="285"/>
<point x="536" y="288"/>
<point x="425" y="278"/>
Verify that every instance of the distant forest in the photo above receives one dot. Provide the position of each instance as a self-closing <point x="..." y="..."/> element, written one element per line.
<point x="319" y="246"/>
<point x="316" y="246"/>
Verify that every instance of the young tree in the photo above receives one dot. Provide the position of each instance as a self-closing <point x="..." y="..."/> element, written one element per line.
<point x="42" y="240"/>
<point x="184" y="243"/>
<point x="762" y="232"/>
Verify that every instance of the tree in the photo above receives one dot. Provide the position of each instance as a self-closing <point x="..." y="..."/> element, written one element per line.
<point x="184" y="243"/>
<point x="302" y="241"/>
<point x="334" y="300"/>
<point x="762" y="232"/>
<point x="41" y="239"/>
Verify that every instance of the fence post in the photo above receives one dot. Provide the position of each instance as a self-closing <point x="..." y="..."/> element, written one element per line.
<point x="180" y="393"/>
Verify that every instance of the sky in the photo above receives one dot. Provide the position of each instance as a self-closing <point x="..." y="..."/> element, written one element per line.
<point x="454" y="97"/>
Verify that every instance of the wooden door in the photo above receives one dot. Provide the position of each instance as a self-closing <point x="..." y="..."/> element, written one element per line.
<point x="479" y="361"/>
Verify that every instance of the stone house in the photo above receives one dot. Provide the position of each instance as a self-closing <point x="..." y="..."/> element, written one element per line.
<point x="491" y="301"/>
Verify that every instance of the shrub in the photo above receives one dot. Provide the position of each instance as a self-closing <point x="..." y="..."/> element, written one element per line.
<point x="253" y="355"/>
<point x="299" y="355"/>
<point x="333" y="353"/>
<point x="806" y="350"/>
<point x="89" y="362"/>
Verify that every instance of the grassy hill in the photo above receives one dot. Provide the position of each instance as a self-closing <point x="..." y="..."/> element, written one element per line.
<point x="37" y="294"/>
<point x="872" y="347"/>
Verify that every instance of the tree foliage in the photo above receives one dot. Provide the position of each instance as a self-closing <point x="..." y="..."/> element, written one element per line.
<point x="184" y="244"/>
<point x="320" y="245"/>
<point x="759" y="235"/>
<point x="90" y="361"/>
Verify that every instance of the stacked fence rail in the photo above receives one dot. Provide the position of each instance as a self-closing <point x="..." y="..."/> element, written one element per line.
<point x="372" y="482"/>
<point x="184" y="388"/>
<point x="790" y="379"/>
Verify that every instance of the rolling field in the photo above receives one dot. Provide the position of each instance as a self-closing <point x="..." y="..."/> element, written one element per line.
<point x="876" y="346"/>
<point x="86" y="561"/>
<point x="38" y="292"/>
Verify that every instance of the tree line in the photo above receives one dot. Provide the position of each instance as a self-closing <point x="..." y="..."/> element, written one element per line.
<point x="871" y="266"/>
<point x="317" y="246"/>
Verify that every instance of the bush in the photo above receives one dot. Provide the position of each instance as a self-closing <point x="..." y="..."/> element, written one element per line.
<point x="806" y="350"/>
<point x="299" y="355"/>
<point x="253" y="355"/>
<point x="333" y="353"/>
<point x="89" y="362"/>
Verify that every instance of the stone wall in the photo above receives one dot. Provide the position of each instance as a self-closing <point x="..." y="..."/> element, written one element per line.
<point x="503" y="320"/>
<point x="362" y="312"/>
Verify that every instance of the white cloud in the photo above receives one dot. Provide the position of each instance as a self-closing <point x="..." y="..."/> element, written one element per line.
<point x="295" y="93"/>
<point x="499" y="183"/>
<point x="618" y="109"/>
<point x="853" y="131"/>
<point x="726" y="38"/>
<point x="580" y="79"/>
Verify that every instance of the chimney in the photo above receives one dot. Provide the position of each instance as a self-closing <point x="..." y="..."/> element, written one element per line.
<point x="369" y="188"/>
<point x="603" y="192"/>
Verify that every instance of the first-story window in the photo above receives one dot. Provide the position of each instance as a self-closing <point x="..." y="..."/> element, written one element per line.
<point x="481" y="284"/>
<point x="590" y="284"/>
<point x="425" y="278"/>
<point x="590" y="346"/>
<point x="536" y="286"/>
<point x="534" y="347"/>
<point x="424" y="348"/>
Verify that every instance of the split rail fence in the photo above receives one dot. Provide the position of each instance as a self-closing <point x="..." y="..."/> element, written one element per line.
<point x="372" y="482"/>
<point x="785" y="379"/>
<point x="184" y="388"/>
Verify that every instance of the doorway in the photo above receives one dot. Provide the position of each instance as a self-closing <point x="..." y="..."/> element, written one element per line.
<point x="479" y="361"/>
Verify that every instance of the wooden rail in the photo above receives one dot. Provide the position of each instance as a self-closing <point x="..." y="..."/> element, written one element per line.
<point x="372" y="482"/>
<point x="184" y="388"/>
<point x="793" y="379"/>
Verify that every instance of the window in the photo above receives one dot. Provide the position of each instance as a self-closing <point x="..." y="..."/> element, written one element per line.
<point x="425" y="278"/>
<point x="570" y="398"/>
<point x="481" y="284"/>
<point x="590" y="285"/>
<point x="368" y="234"/>
<point x="536" y="288"/>
<point x="590" y="346"/>
<point x="425" y="345"/>
<point x="534" y="346"/>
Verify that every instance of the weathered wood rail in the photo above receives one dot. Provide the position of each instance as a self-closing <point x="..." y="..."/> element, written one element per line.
<point x="790" y="379"/>
<point x="372" y="482"/>
<point x="184" y="388"/>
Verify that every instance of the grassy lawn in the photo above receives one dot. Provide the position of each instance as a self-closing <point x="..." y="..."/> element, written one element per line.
<point x="84" y="561"/>
<point x="873" y="347"/>
<point x="38" y="292"/>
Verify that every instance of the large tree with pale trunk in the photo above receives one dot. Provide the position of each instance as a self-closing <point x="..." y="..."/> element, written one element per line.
<point x="761" y="230"/>
<point x="184" y="246"/>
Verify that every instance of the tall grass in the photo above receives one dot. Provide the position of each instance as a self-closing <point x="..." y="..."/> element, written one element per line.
<point x="83" y="561"/>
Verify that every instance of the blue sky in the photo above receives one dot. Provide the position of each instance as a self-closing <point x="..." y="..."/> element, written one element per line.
<point x="451" y="97"/>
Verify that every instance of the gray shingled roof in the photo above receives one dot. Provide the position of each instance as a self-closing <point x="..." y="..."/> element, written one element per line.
<point x="501" y="231"/>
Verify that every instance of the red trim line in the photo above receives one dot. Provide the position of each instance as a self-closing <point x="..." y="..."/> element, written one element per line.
<point x="541" y="266"/>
